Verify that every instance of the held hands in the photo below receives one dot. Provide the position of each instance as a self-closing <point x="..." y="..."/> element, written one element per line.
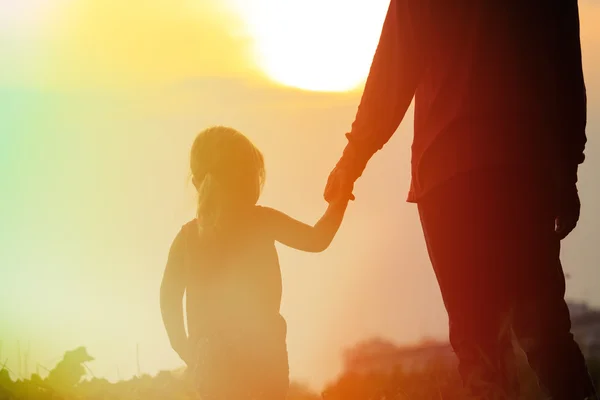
<point x="348" y="169"/>
<point x="339" y="186"/>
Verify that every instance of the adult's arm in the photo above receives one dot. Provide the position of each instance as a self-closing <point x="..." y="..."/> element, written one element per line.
<point x="574" y="103"/>
<point x="390" y="87"/>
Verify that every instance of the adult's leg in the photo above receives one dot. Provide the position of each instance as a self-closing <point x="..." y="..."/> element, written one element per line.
<point x="468" y="226"/>
<point x="541" y="318"/>
<point x="506" y="219"/>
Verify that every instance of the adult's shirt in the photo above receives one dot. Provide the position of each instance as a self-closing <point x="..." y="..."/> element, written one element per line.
<point x="494" y="83"/>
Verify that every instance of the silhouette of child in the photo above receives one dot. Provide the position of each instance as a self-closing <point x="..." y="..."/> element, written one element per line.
<point x="226" y="263"/>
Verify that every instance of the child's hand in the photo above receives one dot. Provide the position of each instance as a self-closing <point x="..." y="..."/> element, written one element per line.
<point x="341" y="199"/>
<point x="339" y="186"/>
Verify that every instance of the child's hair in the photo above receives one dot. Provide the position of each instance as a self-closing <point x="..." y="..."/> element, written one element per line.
<point x="228" y="172"/>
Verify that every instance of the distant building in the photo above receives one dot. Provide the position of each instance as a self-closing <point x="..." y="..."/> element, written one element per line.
<point x="585" y="326"/>
<point x="379" y="355"/>
<point x="578" y="309"/>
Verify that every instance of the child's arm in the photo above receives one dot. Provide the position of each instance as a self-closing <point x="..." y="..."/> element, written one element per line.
<point x="171" y="297"/>
<point x="301" y="236"/>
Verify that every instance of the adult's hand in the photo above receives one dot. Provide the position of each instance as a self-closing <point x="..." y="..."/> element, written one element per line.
<point x="569" y="208"/>
<point x="339" y="184"/>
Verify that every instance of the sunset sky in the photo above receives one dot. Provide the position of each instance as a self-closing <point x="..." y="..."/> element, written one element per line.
<point x="99" y="103"/>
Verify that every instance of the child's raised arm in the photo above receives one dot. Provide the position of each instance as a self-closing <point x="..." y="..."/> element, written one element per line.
<point x="301" y="236"/>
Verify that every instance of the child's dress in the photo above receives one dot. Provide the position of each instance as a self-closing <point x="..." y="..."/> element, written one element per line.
<point x="233" y="296"/>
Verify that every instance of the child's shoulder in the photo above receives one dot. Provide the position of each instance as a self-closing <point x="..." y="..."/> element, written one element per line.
<point x="268" y="217"/>
<point x="264" y="213"/>
<point x="179" y="243"/>
<point x="263" y="216"/>
<point x="188" y="226"/>
<point x="258" y="209"/>
<point x="186" y="230"/>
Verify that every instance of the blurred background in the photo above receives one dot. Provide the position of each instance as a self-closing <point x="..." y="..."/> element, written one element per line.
<point x="99" y="103"/>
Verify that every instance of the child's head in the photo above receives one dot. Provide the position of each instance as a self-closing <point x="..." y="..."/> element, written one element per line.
<point x="228" y="173"/>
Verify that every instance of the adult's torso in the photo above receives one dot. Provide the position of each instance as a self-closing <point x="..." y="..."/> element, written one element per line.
<point x="489" y="92"/>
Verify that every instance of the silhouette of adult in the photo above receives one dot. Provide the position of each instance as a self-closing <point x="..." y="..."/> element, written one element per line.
<point x="499" y="133"/>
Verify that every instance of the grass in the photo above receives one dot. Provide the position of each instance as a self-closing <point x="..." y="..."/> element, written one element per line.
<point x="71" y="381"/>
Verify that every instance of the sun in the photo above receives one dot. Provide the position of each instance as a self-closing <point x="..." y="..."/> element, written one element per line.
<point x="319" y="45"/>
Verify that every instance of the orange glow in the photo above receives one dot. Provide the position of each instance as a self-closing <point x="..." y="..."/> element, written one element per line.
<point x="100" y="101"/>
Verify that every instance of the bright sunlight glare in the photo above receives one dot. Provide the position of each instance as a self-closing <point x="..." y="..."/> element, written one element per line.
<point x="319" y="45"/>
<point x="23" y="15"/>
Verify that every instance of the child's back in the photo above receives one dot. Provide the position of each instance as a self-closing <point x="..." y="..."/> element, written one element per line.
<point x="234" y="278"/>
<point x="233" y="296"/>
<point x="226" y="263"/>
